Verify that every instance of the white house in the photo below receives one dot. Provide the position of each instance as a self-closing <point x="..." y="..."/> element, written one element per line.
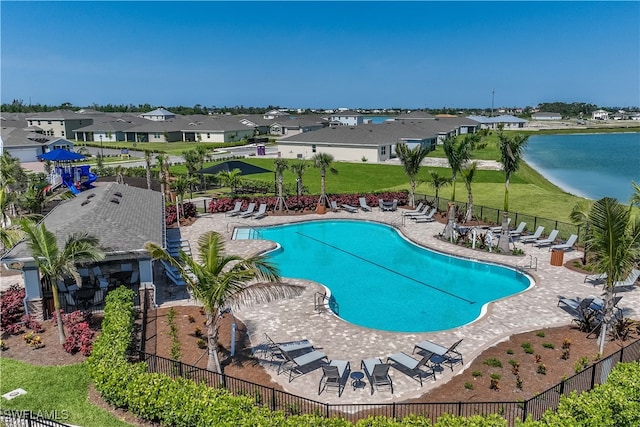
<point x="346" y="118"/>
<point x="600" y="115"/>
<point x="546" y="116"/>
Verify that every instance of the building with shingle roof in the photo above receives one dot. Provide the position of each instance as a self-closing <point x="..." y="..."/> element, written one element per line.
<point x="26" y="145"/>
<point x="60" y="123"/>
<point x="122" y="217"/>
<point x="159" y="114"/>
<point x="507" y="121"/>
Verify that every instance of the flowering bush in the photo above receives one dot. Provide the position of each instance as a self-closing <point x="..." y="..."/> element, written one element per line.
<point x="12" y="310"/>
<point x="79" y="334"/>
<point x="187" y="211"/>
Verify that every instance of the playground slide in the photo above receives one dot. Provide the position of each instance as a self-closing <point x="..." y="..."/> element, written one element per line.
<point x="91" y="177"/>
<point x="70" y="184"/>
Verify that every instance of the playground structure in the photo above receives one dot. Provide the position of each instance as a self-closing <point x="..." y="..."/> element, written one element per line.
<point x="75" y="177"/>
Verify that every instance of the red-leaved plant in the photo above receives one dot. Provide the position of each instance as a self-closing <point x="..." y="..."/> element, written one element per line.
<point x="12" y="310"/>
<point x="80" y="336"/>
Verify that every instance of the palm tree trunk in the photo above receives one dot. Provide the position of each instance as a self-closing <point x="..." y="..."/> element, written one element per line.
<point x="213" y="361"/>
<point x="412" y="196"/>
<point x="504" y="233"/>
<point x="280" y="199"/>
<point x="323" y="196"/>
<point x="606" y="319"/>
<point x="469" y="215"/>
<point x="56" y="305"/>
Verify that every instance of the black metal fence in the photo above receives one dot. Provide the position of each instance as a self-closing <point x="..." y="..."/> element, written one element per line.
<point x="294" y="405"/>
<point x="494" y="216"/>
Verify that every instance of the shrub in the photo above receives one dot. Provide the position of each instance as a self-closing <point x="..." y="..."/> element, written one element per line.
<point x="202" y="344"/>
<point x="565" y="354"/>
<point x="527" y="347"/>
<point x="509" y="351"/>
<point x="548" y="345"/>
<point x="566" y="343"/>
<point x="476" y="374"/>
<point x="518" y="383"/>
<point x="540" y="334"/>
<point x="12" y="310"/>
<point x="581" y="364"/>
<point x="537" y="358"/>
<point x="468" y="385"/>
<point x="542" y="369"/>
<point x="79" y="334"/>
<point x="191" y="319"/>
<point x="493" y="362"/>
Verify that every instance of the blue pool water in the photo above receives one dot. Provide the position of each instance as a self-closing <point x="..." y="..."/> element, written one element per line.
<point x="381" y="281"/>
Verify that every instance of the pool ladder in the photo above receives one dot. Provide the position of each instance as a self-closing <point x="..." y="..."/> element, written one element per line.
<point x="533" y="264"/>
<point x="322" y="301"/>
<point x="253" y="234"/>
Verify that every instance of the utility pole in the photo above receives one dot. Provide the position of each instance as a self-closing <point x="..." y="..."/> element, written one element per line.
<point x="493" y="94"/>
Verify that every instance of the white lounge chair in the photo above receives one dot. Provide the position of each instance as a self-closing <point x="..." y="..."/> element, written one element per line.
<point x="518" y="231"/>
<point x="567" y="246"/>
<point x="349" y="208"/>
<point x="249" y="212"/>
<point x="417" y="210"/>
<point x="498" y="228"/>
<point x="595" y="278"/>
<point x="262" y="211"/>
<point x="548" y="241"/>
<point x="334" y="205"/>
<point x="425" y="218"/>
<point x="363" y="205"/>
<point x="628" y="283"/>
<point x="411" y="367"/>
<point x="533" y="237"/>
<point x="235" y="211"/>
<point x="424" y="211"/>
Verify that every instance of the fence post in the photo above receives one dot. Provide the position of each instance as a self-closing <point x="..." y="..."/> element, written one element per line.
<point x="394" y="410"/>
<point x="562" y="388"/>
<point x="224" y="380"/>
<point x="593" y="376"/>
<point x="326" y="410"/>
<point x="273" y="399"/>
<point x="525" y="408"/>
<point x="459" y="408"/>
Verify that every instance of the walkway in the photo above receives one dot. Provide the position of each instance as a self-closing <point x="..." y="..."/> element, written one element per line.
<point x="295" y="319"/>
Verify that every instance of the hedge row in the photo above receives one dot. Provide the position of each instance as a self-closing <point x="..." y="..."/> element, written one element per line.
<point x="182" y="402"/>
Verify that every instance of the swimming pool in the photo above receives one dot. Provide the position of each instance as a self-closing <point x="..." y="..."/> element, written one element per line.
<point x="382" y="281"/>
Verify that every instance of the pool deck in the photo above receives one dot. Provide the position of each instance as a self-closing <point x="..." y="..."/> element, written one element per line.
<point x="295" y="319"/>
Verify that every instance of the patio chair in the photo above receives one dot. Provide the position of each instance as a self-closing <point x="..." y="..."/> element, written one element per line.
<point x="414" y="211"/>
<point x="381" y="205"/>
<point x="425" y="218"/>
<point x="566" y="246"/>
<point x="532" y="237"/>
<point x="298" y="365"/>
<point x="334" y="206"/>
<point x="377" y="373"/>
<point x="70" y="302"/>
<point x="262" y="211"/>
<point x="548" y="241"/>
<point x="249" y="212"/>
<point x="598" y="304"/>
<point x="363" y="205"/>
<point x="411" y="367"/>
<point x="441" y="354"/>
<point x="576" y="307"/>
<point x="126" y="267"/>
<point x="99" y="277"/>
<point x="349" y="208"/>
<point x="235" y="211"/>
<point x="98" y="299"/>
<point x="135" y="278"/>
<point x="518" y="231"/>
<point x="596" y="279"/>
<point x="333" y="375"/>
<point x="498" y="228"/>
<point x="627" y="284"/>
<point x="423" y="212"/>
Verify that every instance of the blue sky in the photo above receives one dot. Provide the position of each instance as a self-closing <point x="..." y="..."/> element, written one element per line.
<point x="321" y="54"/>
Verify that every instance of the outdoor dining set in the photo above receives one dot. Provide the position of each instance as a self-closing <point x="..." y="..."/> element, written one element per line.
<point x="297" y="358"/>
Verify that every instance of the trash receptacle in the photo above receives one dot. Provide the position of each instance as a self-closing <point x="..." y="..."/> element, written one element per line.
<point x="261" y="150"/>
<point x="557" y="256"/>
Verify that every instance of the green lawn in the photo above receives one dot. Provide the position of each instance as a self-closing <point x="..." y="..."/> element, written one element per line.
<point x="60" y="390"/>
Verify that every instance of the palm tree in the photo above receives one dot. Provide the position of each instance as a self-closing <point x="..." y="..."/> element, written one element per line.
<point x="457" y="154"/>
<point x="119" y="171"/>
<point x="635" y="198"/>
<point x="218" y="280"/>
<point x="411" y="158"/>
<point x="201" y="152"/>
<point x="437" y="182"/>
<point x="510" y="156"/>
<point x="614" y="239"/>
<point x="298" y="169"/>
<point x="580" y="216"/>
<point x="467" y="174"/>
<point x="163" y="172"/>
<point x="230" y="178"/>
<point x="323" y="162"/>
<point x="147" y="165"/>
<point x="280" y="165"/>
<point x="55" y="263"/>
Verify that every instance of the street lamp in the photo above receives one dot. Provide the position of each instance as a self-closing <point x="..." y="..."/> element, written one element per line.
<point x="101" y="149"/>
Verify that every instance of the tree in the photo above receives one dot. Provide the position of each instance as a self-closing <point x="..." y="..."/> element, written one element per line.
<point x="218" y="280"/>
<point x="580" y="216"/>
<point x="511" y="150"/>
<point x="163" y="164"/>
<point x="202" y="152"/>
<point x="230" y="178"/>
<point x="323" y="162"/>
<point x="147" y="166"/>
<point x="280" y="165"/>
<point x="457" y="154"/>
<point x="437" y="182"/>
<point x="411" y="158"/>
<point x="55" y="263"/>
<point x="614" y="239"/>
<point x="467" y="174"/>
<point x="181" y="185"/>
<point x="298" y="168"/>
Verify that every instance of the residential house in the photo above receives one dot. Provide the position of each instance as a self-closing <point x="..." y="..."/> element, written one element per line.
<point x="542" y="115"/>
<point x="217" y="128"/>
<point x="600" y="115"/>
<point x="60" y="123"/>
<point x="295" y="126"/>
<point x="346" y="118"/>
<point x="158" y="115"/>
<point x="506" y="121"/>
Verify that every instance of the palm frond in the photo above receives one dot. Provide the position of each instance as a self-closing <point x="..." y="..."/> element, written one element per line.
<point x="264" y="292"/>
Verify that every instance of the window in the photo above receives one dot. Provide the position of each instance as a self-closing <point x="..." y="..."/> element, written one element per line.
<point x="38" y="122"/>
<point x="313" y="148"/>
<point x="208" y="135"/>
<point x="383" y="150"/>
<point x="49" y="122"/>
<point x="156" y="135"/>
<point x="62" y="133"/>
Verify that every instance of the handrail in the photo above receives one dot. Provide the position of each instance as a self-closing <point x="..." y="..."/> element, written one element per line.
<point x="399" y="221"/>
<point x="533" y="264"/>
<point x="321" y="302"/>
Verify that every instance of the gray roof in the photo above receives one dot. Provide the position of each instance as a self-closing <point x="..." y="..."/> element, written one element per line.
<point x="18" y="137"/>
<point x="112" y="126"/>
<point x="151" y="126"/>
<point x="497" y="119"/>
<point x="215" y="123"/>
<point x="123" y="222"/>
<point x="416" y="115"/>
<point x="350" y="113"/>
<point x="57" y="115"/>
<point x="159" y="112"/>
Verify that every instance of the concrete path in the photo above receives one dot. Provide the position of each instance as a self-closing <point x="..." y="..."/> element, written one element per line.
<point x="295" y="319"/>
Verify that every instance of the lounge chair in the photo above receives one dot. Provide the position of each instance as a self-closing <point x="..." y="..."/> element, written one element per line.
<point x="411" y="367"/>
<point x="548" y="241"/>
<point x="575" y="306"/>
<point x="349" y="208"/>
<point x="363" y="205"/>
<point x="441" y="354"/>
<point x="498" y="228"/>
<point x="297" y="365"/>
<point x="423" y="212"/>
<point x="235" y="211"/>
<point x="532" y="237"/>
<point x="414" y="211"/>
<point x="98" y="298"/>
<point x="249" y="212"/>
<point x="425" y="218"/>
<point x="70" y="302"/>
<point x="518" y="231"/>
<point x="596" y="279"/>
<point x="377" y="373"/>
<point x="598" y="303"/>
<point x="333" y="375"/>
<point x="627" y="284"/>
<point x="566" y="246"/>
<point x="381" y="204"/>
<point x="334" y="206"/>
<point x="262" y="211"/>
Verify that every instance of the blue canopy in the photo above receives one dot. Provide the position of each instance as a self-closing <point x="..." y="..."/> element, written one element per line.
<point x="61" y="155"/>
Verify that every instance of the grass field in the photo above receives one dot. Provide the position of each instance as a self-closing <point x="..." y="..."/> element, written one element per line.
<point x="59" y="390"/>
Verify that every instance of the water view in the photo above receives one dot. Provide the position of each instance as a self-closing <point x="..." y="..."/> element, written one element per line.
<point x="588" y="165"/>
